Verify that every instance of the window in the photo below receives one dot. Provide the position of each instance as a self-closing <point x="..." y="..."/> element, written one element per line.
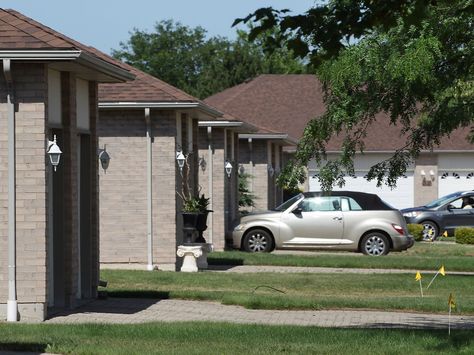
<point x="349" y="204"/>
<point x="320" y="204"/>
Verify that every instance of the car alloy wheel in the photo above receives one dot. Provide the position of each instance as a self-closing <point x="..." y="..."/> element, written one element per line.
<point x="430" y="231"/>
<point x="375" y="244"/>
<point x="258" y="241"/>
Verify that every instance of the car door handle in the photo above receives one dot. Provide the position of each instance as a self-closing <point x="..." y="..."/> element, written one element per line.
<point x="337" y="218"/>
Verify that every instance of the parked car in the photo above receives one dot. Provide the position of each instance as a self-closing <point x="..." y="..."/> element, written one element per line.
<point x="444" y="214"/>
<point x="343" y="220"/>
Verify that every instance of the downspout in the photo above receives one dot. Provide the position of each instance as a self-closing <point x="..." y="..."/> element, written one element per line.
<point x="251" y="167"/>
<point x="210" y="181"/>
<point x="149" y="187"/>
<point x="12" y="304"/>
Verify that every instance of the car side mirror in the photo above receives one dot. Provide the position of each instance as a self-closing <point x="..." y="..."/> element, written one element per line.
<point x="450" y="207"/>
<point x="297" y="210"/>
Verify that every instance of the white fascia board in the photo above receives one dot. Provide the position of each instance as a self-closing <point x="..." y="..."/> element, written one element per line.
<point x="175" y="105"/>
<point x="238" y="125"/>
<point x="271" y="136"/>
<point x="69" y="55"/>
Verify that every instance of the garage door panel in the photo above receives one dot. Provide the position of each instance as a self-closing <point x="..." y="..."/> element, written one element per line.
<point x="452" y="181"/>
<point x="400" y="197"/>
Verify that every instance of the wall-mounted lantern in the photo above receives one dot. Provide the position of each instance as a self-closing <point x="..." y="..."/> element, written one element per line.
<point x="228" y="168"/>
<point x="104" y="158"/>
<point x="53" y="152"/>
<point x="271" y="171"/>
<point x="202" y="163"/>
<point x="241" y="169"/>
<point x="181" y="159"/>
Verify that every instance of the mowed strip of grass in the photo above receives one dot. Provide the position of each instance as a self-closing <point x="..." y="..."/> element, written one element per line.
<point x="221" y="338"/>
<point x="298" y="291"/>
<point x="422" y="256"/>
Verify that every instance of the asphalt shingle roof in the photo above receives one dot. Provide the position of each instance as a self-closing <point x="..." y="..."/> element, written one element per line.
<point x="19" y="32"/>
<point x="145" y="88"/>
<point x="286" y="103"/>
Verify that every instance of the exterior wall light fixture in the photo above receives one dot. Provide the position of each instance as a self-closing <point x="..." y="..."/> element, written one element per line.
<point x="181" y="159"/>
<point x="104" y="158"/>
<point x="271" y="171"/>
<point x="228" y="168"/>
<point x="53" y="152"/>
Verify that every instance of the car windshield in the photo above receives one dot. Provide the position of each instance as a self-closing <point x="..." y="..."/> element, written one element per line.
<point x="442" y="200"/>
<point x="284" y="206"/>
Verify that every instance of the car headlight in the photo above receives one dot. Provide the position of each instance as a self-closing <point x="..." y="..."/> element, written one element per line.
<point x="411" y="214"/>
<point x="239" y="227"/>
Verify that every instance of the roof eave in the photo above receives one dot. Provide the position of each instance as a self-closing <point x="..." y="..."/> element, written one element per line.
<point x="158" y="104"/>
<point x="284" y="138"/>
<point x="75" y="55"/>
<point x="237" y="125"/>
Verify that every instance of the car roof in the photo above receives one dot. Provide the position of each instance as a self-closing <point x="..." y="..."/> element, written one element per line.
<point x="366" y="200"/>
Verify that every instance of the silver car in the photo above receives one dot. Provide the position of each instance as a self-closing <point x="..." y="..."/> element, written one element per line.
<point x="343" y="220"/>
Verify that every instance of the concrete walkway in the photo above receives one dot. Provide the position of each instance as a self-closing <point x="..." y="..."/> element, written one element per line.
<point x="129" y="311"/>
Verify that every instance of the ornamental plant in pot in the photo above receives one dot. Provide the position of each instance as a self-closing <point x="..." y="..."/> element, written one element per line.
<point x="194" y="210"/>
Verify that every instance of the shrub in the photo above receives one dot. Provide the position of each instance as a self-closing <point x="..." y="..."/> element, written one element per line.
<point x="464" y="235"/>
<point x="416" y="230"/>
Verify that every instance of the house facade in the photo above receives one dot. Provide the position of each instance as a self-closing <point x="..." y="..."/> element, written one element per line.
<point x="49" y="238"/>
<point x="219" y="174"/>
<point x="286" y="103"/>
<point x="143" y="125"/>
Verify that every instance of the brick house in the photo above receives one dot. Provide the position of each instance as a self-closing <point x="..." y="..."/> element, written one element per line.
<point x="286" y="103"/>
<point x="218" y="174"/>
<point x="49" y="237"/>
<point x="143" y="124"/>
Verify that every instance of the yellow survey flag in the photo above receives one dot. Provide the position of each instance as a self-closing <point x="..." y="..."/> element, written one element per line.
<point x="451" y="302"/>
<point x="418" y="276"/>
<point x="445" y="234"/>
<point x="441" y="270"/>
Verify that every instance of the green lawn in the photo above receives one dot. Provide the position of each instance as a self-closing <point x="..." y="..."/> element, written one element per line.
<point x="422" y="256"/>
<point x="298" y="291"/>
<point x="215" y="338"/>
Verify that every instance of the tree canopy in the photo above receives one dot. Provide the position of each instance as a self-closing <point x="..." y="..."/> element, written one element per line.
<point x="409" y="59"/>
<point x="184" y="57"/>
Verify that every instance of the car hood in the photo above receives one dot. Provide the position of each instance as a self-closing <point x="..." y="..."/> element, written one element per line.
<point x="260" y="214"/>
<point x="415" y="209"/>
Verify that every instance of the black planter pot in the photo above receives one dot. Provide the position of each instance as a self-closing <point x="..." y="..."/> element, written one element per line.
<point x="194" y="222"/>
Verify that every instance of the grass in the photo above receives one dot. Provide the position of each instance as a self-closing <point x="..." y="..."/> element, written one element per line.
<point x="298" y="291"/>
<point x="422" y="256"/>
<point x="216" y="338"/>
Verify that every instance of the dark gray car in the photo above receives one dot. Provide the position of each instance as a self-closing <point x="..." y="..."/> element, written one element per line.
<point x="343" y="220"/>
<point x="444" y="214"/>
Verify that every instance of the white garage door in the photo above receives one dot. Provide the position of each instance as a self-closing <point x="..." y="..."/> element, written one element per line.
<point x="452" y="181"/>
<point x="455" y="173"/>
<point x="400" y="197"/>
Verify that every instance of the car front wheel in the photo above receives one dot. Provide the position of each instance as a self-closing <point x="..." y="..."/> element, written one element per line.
<point x="430" y="230"/>
<point x="375" y="244"/>
<point x="258" y="241"/>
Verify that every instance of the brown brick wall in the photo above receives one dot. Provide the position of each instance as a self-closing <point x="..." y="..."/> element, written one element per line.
<point x="30" y="94"/>
<point x="123" y="200"/>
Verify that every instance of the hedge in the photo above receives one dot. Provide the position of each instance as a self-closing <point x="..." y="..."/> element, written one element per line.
<point x="464" y="235"/>
<point x="416" y="230"/>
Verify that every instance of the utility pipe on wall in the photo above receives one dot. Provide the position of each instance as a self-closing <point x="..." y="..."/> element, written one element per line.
<point x="12" y="304"/>
<point x="149" y="189"/>
<point x="211" y="181"/>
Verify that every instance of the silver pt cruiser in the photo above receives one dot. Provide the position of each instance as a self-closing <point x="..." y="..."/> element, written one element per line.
<point x="342" y="220"/>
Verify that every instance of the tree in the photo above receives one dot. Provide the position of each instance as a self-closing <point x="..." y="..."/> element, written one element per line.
<point x="186" y="58"/>
<point x="410" y="59"/>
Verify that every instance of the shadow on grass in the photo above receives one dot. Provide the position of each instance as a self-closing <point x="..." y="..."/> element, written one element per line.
<point x="224" y="261"/>
<point x="35" y="348"/>
<point x="161" y="295"/>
